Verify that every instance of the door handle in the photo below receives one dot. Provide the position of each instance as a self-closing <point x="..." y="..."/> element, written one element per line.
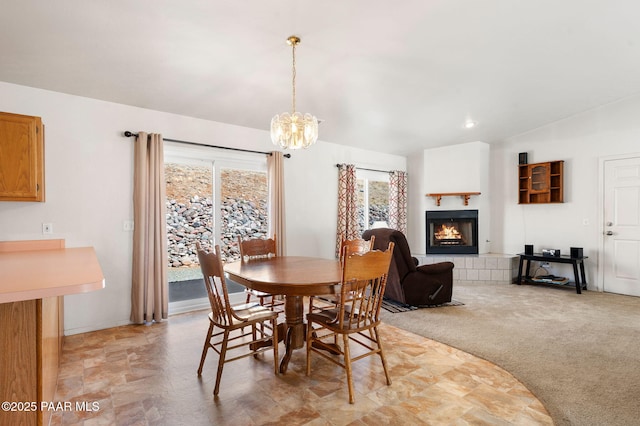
<point x="609" y="233"/>
<point x="609" y="223"/>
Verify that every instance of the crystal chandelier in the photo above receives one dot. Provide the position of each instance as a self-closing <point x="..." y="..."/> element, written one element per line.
<point x="295" y="130"/>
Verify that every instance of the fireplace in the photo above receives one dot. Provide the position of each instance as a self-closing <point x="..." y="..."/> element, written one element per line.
<point x="452" y="232"/>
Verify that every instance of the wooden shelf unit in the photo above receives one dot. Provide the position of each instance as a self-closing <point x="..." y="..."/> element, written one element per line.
<point x="540" y="183"/>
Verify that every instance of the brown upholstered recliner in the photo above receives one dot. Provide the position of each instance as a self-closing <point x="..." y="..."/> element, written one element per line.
<point x="408" y="283"/>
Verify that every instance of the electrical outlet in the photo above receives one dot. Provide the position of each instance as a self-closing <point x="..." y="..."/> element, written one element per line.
<point x="127" y="225"/>
<point x="47" y="228"/>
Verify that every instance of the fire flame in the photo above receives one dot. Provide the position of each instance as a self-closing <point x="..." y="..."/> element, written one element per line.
<point x="448" y="233"/>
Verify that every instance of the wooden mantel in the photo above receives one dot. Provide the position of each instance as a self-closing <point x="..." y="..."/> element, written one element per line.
<point x="465" y="195"/>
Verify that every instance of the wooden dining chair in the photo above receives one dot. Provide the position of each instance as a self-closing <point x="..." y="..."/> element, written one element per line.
<point x="356" y="316"/>
<point x="232" y="320"/>
<point x="257" y="248"/>
<point x="347" y="247"/>
<point x="357" y="245"/>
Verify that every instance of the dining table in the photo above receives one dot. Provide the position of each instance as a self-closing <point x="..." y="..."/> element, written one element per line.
<point x="294" y="277"/>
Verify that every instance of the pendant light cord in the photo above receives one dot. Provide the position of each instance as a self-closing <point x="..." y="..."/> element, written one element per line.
<point x="294" y="77"/>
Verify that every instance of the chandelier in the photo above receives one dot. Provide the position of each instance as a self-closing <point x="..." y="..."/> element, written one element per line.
<point x="295" y="130"/>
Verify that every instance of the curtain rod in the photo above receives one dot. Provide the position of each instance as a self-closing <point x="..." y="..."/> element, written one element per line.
<point x="128" y="134"/>
<point x="371" y="170"/>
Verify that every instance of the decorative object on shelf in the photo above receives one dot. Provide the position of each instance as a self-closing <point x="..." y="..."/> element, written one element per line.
<point x="576" y="251"/>
<point x="528" y="249"/>
<point x="522" y="158"/>
<point x="465" y="196"/>
<point x="295" y="130"/>
<point x="550" y="279"/>
<point x="551" y="252"/>
<point x="541" y="183"/>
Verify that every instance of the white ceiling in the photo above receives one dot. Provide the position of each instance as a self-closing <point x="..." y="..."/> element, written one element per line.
<point x="396" y="77"/>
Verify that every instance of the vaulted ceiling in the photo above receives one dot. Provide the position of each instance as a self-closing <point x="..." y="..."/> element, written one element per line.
<point x="395" y="77"/>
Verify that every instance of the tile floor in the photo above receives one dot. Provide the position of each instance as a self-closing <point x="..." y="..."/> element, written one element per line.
<point x="141" y="375"/>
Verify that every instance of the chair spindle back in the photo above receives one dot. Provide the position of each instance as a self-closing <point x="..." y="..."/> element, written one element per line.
<point x="257" y="247"/>
<point x="357" y="245"/>
<point x="364" y="277"/>
<point x="213" y="272"/>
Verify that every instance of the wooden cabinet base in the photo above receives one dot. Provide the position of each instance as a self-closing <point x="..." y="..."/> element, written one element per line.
<point x="30" y="339"/>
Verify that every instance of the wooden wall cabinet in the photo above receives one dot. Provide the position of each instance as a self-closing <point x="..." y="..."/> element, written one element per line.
<point x="21" y="158"/>
<point x="541" y="183"/>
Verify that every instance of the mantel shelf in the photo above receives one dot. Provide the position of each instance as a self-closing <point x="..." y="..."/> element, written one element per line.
<point x="465" y="195"/>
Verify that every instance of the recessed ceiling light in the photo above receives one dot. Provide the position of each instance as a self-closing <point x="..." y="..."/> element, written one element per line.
<point x="469" y="124"/>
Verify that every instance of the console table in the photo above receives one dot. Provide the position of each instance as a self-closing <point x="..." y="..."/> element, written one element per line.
<point x="575" y="261"/>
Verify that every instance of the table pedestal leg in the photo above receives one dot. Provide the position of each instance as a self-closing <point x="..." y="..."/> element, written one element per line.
<point x="293" y="310"/>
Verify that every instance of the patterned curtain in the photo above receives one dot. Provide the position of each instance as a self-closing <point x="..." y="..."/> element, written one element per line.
<point x="347" y="205"/>
<point x="398" y="201"/>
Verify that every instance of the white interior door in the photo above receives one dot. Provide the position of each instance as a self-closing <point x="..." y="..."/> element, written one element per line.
<point x="622" y="226"/>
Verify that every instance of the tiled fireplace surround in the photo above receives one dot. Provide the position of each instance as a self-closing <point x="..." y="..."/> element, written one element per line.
<point x="478" y="268"/>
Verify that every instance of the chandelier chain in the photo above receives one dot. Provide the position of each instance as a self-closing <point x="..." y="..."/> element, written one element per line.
<point x="294" y="78"/>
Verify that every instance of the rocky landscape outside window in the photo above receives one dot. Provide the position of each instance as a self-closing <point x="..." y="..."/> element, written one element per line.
<point x="373" y="199"/>
<point x="212" y="205"/>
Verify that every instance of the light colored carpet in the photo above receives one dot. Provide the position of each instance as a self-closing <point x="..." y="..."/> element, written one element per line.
<point x="578" y="353"/>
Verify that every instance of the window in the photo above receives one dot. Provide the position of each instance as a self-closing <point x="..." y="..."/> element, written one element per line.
<point x="373" y="198"/>
<point x="211" y="198"/>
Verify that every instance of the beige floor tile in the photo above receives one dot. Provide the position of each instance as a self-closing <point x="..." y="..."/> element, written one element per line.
<point x="143" y="375"/>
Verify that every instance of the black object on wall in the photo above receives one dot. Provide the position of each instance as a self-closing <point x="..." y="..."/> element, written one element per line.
<point x="522" y="158"/>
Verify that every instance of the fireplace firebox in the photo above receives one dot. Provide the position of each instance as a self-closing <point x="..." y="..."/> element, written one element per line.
<point x="452" y="232"/>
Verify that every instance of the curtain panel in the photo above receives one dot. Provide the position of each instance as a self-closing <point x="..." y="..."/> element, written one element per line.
<point x="275" y="176"/>
<point x="398" y="201"/>
<point x="347" y="205"/>
<point x="149" y="287"/>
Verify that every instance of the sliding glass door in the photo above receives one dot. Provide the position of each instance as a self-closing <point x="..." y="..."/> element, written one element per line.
<point x="212" y="198"/>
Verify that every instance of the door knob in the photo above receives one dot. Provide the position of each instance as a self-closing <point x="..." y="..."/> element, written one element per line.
<point x="609" y="233"/>
<point x="609" y="223"/>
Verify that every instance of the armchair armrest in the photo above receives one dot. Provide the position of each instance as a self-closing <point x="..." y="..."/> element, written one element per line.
<point x="436" y="268"/>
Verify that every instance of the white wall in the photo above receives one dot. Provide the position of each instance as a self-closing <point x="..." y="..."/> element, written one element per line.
<point x="312" y="191"/>
<point x="580" y="141"/>
<point x="457" y="168"/>
<point x="417" y="203"/>
<point x="89" y="172"/>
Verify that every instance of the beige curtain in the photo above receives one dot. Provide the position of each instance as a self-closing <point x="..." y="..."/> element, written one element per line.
<point x="149" y="288"/>
<point x="275" y="174"/>
<point x="347" y="205"/>
<point x="398" y="201"/>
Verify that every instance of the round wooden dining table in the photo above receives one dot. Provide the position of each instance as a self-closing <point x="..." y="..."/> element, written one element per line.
<point x="294" y="277"/>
